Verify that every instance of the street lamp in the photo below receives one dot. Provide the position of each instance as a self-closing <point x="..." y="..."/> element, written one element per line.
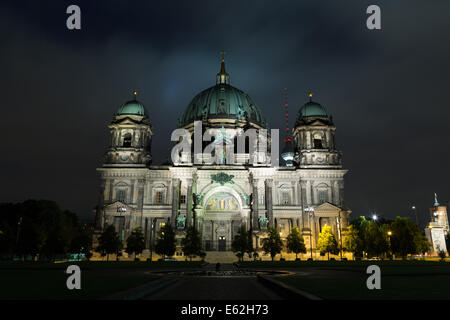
<point x="389" y="241"/>
<point x="340" y="231"/>
<point x="374" y="217"/>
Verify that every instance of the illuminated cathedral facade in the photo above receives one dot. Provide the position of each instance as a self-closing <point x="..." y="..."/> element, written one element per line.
<point x="306" y="190"/>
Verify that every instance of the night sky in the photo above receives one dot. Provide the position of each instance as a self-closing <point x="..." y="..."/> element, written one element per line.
<point x="388" y="90"/>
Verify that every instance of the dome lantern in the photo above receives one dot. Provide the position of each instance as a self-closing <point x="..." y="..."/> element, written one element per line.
<point x="223" y="77"/>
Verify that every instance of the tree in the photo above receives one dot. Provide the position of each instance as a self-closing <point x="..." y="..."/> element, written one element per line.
<point x="135" y="242"/>
<point x="402" y="239"/>
<point x="442" y="254"/>
<point x="109" y="242"/>
<point x="202" y="255"/>
<point x="55" y="244"/>
<point x="31" y="238"/>
<point x="375" y="242"/>
<point x="272" y="244"/>
<point x="82" y="242"/>
<point x="295" y="242"/>
<point x="240" y="244"/>
<point x="165" y="243"/>
<point x="351" y="241"/>
<point x="447" y="241"/>
<point x="421" y="242"/>
<point x="192" y="244"/>
<point x="327" y="242"/>
<point x="36" y="227"/>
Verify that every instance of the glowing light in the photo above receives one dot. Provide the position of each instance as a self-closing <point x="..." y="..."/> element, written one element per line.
<point x="374" y="217"/>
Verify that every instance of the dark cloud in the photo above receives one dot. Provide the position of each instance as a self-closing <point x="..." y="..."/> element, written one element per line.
<point x="387" y="90"/>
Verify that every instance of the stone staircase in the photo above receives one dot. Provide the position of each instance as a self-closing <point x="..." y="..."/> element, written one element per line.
<point x="220" y="256"/>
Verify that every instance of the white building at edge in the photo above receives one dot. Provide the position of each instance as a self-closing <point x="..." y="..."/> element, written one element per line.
<point x="308" y="194"/>
<point x="438" y="228"/>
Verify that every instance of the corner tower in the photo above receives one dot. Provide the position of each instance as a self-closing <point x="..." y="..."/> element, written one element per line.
<point x="125" y="164"/>
<point x="314" y="138"/>
<point x="131" y="137"/>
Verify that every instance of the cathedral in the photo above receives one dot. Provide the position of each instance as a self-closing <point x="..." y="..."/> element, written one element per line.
<point x="306" y="190"/>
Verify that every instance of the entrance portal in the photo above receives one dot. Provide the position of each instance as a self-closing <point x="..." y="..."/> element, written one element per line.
<point x="222" y="244"/>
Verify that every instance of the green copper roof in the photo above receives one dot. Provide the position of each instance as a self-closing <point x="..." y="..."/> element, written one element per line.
<point x="222" y="101"/>
<point x="132" y="107"/>
<point x="312" y="109"/>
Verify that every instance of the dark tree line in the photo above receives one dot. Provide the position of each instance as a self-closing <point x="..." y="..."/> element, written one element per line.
<point x="39" y="228"/>
<point x="400" y="237"/>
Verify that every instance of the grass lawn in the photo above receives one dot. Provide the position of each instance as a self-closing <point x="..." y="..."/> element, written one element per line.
<point x="51" y="284"/>
<point x="392" y="287"/>
<point x="34" y="280"/>
<point x="347" y="279"/>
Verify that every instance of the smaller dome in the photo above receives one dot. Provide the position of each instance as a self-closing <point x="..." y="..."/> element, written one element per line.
<point x="132" y="107"/>
<point x="312" y="109"/>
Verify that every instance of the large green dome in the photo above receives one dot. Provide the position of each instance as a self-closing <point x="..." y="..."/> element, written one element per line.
<point x="132" y="107"/>
<point x="222" y="101"/>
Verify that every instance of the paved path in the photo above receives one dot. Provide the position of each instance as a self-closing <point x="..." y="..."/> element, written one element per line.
<point x="216" y="288"/>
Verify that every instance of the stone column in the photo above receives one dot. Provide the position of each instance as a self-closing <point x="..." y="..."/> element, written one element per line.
<point x="140" y="201"/>
<point x="254" y="205"/>
<point x="308" y="193"/>
<point x="175" y="202"/>
<point x="316" y="231"/>
<point x="308" y="140"/>
<point x="212" y="235"/>
<point x="111" y="189"/>
<point x="99" y="213"/>
<point x="146" y="234"/>
<point x="269" y="203"/>
<point x="329" y="144"/>
<point x="189" y="203"/>
<point x="294" y="193"/>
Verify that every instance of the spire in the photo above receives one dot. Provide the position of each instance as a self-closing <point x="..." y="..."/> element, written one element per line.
<point x="135" y="93"/>
<point x="310" y="96"/>
<point x="286" y="106"/>
<point x="288" y="151"/>
<point x="436" y="203"/>
<point x="222" y="76"/>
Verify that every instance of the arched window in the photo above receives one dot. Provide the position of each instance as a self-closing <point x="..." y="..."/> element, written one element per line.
<point x="127" y="140"/>
<point x="323" y="196"/>
<point x="121" y="195"/>
<point x="318" y="141"/>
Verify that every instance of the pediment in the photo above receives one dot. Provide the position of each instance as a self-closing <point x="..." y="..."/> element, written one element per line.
<point x="126" y="121"/>
<point x="118" y="204"/>
<point x="327" y="207"/>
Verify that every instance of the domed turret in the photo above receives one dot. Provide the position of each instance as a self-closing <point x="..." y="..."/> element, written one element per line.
<point x="131" y="135"/>
<point x="314" y="138"/>
<point x="132" y="107"/>
<point x="312" y="109"/>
